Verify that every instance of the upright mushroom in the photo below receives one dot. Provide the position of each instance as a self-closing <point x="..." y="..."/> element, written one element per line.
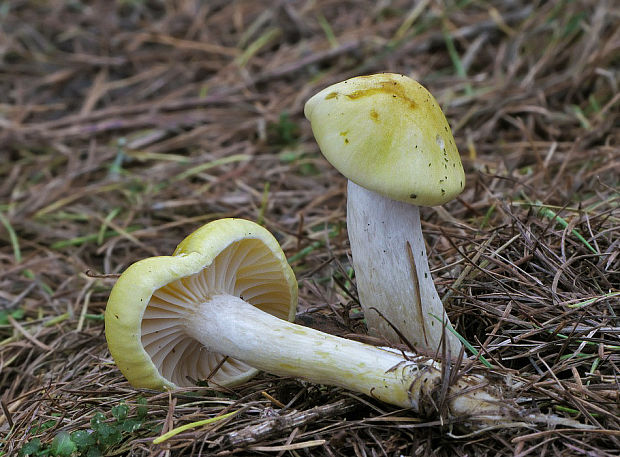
<point x="387" y="134"/>
<point x="218" y="309"/>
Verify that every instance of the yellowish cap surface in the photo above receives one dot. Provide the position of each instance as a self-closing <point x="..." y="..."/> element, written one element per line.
<point x="387" y="133"/>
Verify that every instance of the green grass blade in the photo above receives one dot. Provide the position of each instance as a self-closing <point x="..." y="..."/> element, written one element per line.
<point x="466" y="343"/>
<point x="456" y="59"/>
<point x="12" y="237"/>
<point x="182" y="428"/>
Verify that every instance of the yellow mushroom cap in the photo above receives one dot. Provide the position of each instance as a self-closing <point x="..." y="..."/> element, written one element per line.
<point x="387" y="133"/>
<point x="150" y="304"/>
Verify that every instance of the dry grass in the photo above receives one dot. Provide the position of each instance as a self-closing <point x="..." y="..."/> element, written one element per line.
<point x="124" y="127"/>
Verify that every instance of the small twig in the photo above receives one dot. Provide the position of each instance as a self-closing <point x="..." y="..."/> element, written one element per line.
<point x="27" y="335"/>
<point x="277" y="425"/>
<point x="398" y="332"/>
<point x="92" y="274"/>
<point x="416" y="285"/>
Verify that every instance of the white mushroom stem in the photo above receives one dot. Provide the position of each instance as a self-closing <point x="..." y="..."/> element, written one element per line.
<point x="233" y="327"/>
<point x="393" y="276"/>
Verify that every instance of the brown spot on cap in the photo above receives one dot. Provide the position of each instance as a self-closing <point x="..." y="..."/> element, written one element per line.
<point x="384" y="87"/>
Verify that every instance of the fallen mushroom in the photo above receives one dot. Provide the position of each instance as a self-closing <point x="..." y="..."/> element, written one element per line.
<point x="388" y="136"/>
<point x="219" y="308"/>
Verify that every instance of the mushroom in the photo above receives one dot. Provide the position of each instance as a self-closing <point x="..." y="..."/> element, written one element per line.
<point x="219" y="308"/>
<point x="387" y="134"/>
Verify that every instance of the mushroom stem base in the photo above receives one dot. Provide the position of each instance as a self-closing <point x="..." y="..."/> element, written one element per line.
<point x="233" y="327"/>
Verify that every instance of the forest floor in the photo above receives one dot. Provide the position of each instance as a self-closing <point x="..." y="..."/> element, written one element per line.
<point x="126" y="125"/>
